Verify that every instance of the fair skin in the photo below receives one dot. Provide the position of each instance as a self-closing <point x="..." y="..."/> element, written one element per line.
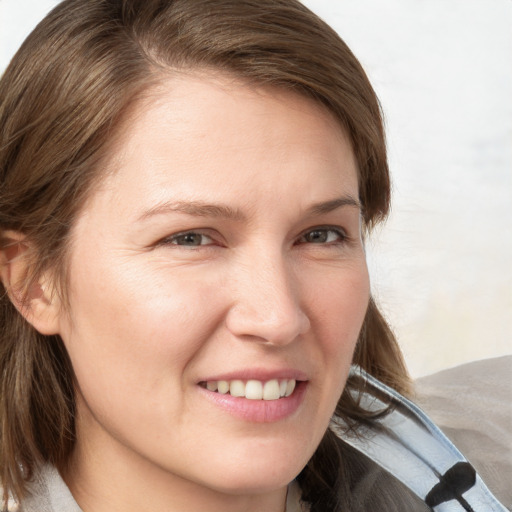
<point x="224" y="245"/>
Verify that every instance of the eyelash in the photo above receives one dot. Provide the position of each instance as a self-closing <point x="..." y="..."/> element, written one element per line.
<point x="327" y="230"/>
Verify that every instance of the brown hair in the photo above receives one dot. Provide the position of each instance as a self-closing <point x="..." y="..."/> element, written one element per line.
<point x="61" y="99"/>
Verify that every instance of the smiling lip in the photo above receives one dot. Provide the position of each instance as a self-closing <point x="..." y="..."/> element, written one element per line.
<point x="258" y="410"/>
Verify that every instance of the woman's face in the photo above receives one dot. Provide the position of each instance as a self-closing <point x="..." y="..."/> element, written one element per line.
<point x="221" y="249"/>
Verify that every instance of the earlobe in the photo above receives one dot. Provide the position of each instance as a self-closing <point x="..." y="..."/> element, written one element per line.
<point x="35" y="300"/>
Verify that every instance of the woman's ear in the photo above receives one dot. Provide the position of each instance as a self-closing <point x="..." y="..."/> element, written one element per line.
<point x="37" y="301"/>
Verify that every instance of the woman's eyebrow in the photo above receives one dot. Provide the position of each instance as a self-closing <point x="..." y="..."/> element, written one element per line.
<point x="334" y="204"/>
<point x="195" y="208"/>
<point x="202" y="209"/>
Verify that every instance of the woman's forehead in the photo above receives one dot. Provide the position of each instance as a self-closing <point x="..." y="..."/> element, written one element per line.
<point x="196" y="134"/>
<point x="214" y="122"/>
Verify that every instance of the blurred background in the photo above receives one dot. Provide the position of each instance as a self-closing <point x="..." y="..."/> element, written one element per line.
<point x="441" y="267"/>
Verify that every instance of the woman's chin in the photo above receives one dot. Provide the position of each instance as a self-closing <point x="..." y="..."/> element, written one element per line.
<point x="253" y="484"/>
<point x="256" y="476"/>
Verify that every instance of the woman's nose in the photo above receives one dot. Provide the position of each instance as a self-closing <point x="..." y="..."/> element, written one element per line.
<point x="266" y="303"/>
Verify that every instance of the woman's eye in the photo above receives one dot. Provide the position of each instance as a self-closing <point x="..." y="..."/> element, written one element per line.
<point x="189" y="239"/>
<point x="323" y="236"/>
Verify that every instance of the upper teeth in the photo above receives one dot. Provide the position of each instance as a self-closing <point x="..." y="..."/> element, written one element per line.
<point x="254" y="389"/>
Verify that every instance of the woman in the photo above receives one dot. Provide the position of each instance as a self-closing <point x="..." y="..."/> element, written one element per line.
<point x="186" y="186"/>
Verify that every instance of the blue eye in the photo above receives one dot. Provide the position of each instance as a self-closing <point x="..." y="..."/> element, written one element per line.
<point x="190" y="239"/>
<point x="323" y="236"/>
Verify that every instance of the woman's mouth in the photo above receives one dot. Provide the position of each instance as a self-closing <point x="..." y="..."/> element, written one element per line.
<point x="256" y="401"/>
<point x="273" y="389"/>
